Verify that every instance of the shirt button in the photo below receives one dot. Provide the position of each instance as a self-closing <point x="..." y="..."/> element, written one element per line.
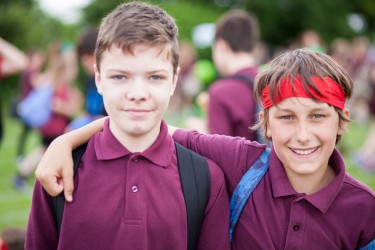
<point x="135" y="159"/>
<point x="134" y="189"/>
<point x="296" y="228"/>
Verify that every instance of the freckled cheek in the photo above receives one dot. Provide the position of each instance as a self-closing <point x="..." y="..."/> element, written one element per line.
<point x="280" y="131"/>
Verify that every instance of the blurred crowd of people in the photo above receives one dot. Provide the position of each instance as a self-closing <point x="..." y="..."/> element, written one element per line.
<point x="48" y="86"/>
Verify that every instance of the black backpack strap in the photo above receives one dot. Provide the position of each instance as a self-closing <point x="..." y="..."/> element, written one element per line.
<point x="244" y="78"/>
<point x="195" y="182"/>
<point x="59" y="201"/>
<point x="249" y="81"/>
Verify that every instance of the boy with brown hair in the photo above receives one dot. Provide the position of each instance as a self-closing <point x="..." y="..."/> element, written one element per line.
<point x="231" y="102"/>
<point x="305" y="200"/>
<point x="128" y="190"/>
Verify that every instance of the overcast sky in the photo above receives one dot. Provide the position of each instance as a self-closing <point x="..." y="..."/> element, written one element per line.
<point x="66" y="10"/>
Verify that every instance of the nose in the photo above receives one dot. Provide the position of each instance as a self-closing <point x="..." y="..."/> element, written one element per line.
<point x="303" y="132"/>
<point x="137" y="91"/>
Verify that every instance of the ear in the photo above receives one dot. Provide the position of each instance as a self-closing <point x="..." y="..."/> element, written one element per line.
<point x="97" y="79"/>
<point x="221" y="45"/>
<point x="175" y="79"/>
<point x="343" y="124"/>
<point x="266" y="127"/>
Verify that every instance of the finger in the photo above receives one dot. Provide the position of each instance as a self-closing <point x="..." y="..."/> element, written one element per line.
<point x="49" y="182"/>
<point x="67" y="178"/>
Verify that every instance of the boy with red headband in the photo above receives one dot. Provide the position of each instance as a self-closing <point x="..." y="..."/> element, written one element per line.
<point x="306" y="200"/>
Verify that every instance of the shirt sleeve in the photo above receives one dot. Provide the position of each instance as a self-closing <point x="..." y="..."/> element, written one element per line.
<point x="41" y="228"/>
<point x="215" y="227"/>
<point x="234" y="155"/>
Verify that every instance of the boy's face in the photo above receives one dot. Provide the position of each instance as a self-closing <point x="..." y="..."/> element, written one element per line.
<point x="136" y="89"/>
<point x="303" y="134"/>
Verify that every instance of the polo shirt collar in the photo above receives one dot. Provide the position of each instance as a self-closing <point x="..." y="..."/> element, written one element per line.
<point x="107" y="147"/>
<point x="252" y="71"/>
<point x="322" y="199"/>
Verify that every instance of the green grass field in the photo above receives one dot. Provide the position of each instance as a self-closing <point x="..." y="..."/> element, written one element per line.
<point x="15" y="205"/>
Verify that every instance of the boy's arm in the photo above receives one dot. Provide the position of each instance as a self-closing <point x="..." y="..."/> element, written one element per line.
<point x="234" y="155"/>
<point x="55" y="170"/>
<point x="14" y="60"/>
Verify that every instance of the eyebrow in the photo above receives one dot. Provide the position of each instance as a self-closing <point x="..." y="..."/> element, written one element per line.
<point x="148" y="72"/>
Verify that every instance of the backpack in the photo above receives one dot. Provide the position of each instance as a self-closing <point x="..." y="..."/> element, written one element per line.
<point x="249" y="81"/>
<point x="195" y="183"/>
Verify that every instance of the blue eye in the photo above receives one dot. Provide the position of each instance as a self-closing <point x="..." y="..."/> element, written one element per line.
<point x="317" y="116"/>
<point x="118" y="77"/>
<point x="156" y="77"/>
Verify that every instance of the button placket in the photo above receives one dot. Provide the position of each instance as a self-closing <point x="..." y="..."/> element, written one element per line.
<point x="134" y="201"/>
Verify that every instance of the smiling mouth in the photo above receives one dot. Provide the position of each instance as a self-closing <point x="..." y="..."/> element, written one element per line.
<point x="304" y="151"/>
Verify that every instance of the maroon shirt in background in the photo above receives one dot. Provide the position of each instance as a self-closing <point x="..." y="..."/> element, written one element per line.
<point x="340" y="216"/>
<point x="231" y="106"/>
<point x="126" y="200"/>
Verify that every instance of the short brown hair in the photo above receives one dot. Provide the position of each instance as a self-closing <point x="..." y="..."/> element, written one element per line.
<point x="136" y="22"/>
<point x="239" y="29"/>
<point x="87" y="41"/>
<point x="305" y="63"/>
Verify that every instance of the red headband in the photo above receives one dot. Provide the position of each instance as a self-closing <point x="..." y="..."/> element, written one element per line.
<point x="331" y="91"/>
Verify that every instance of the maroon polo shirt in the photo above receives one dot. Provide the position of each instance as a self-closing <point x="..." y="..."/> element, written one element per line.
<point x="125" y="200"/>
<point x="340" y="216"/>
<point x="231" y="107"/>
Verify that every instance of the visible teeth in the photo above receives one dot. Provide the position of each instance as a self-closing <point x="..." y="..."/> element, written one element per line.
<point x="304" y="152"/>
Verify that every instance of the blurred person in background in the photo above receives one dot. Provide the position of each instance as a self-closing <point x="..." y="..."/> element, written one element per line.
<point x="365" y="157"/>
<point x="188" y="85"/>
<point x="94" y="106"/>
<point x="311" y="39"/>
<point x="27" y="82"/>
<point x="12" y="61"/>
<point x="231" y="106"/>
<point x="66" y="101"/>
<point x="360" y="72"/>
<point x="340" y="51"/>
<point x="12" y="238"/>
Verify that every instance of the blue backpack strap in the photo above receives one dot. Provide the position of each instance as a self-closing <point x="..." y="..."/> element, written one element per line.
<point x="246" y="186"/>
<point x="369" y="246"/>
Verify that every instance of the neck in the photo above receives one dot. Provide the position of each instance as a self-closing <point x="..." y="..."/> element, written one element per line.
<point x="310" y="184"/>
<point x="238" y="61"/>
<point x="135" y="142"/>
